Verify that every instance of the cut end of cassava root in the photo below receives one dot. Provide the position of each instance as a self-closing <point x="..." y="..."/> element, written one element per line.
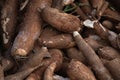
<point x="89" y="23"/>
<point x="21" y="52"/>
<point x="75" y="33"/>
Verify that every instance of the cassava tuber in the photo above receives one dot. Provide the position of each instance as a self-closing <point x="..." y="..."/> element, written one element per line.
<point x="30" y="30"/>
<point x="92" y="58"/>
<point x="58" y="41"/>
<point x="78" y="71"/>
<point x="9" y="19"/>
<point x="65" y="22"/>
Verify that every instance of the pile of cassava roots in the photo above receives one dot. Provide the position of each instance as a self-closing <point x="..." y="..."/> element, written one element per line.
<point x="59" y="40"/>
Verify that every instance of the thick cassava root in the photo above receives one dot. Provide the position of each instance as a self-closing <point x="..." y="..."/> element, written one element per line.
<point x="59" y="40"/>
<point x="66" y="22"/>
<point x="78" y="71"/>
<point x="30" y="29"/>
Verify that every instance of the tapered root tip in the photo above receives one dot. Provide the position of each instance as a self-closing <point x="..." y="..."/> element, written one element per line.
<point x="75" y="33"/>
<point x="21" y="52"/>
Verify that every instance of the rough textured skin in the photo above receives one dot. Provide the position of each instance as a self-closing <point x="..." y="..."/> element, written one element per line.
<point x="86" y="8"/>
<point x="74" y="53"/>
<point x="108" y="53"/>
<point x="94" y="44"/>
<point x="58" y="4"/>
<point x="78" y="71"/>
<point x="35" y="59"/>
<point x="48" y="32"/>
<point x="59" y="41"/>
<point x="48" y="74"/>
<point x="61" y="21"/>
<point x="20" y="75"/>
<point x="101" y="30"/>
<point x="30" y="29"/>
<point x="102" y="9"/>
<point x="108" y="24"/>
<point x="56" y="56"/>
<point x="114" y="68"/>
<point x="8" y="22"/>
<point x="113" y="15"/>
